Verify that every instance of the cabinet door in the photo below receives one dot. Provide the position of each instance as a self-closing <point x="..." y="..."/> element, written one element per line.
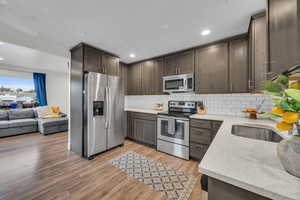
<point x="158" y="76"/>
<point x="129" y="126"/>
<point x="138" y="129"/>
<point x="211" y="69"/>
<point x="134" y="82"/>
<point x="149" y="132"/>
<point x="123" y="72"/>
<point x="147" y="77"/>
<point x="238" y="65"/>
<point x="170" y="65"/>
<point x="284" y="35"/>
<point x="111" y="64"/>
<point x="258" y="48"/>
<point x="92" y="59"/>
<point x="185" y="62"/>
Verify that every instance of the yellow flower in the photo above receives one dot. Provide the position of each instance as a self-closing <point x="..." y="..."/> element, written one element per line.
<point x="282" y="126"/>
<point x="290" y="117"/>
<point x="277" y="111"/>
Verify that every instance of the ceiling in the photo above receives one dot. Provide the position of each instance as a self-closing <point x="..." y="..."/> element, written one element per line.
<point x="18" y="56"/>
<point x="147" y="28"/>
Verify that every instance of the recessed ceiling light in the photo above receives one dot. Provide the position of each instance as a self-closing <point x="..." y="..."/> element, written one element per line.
<point x="132" y="55"/>
<point x="1" y="58"/>
<point x="205" y="32"/>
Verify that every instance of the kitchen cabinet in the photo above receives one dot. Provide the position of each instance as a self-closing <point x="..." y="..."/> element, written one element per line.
<point x="258" y="51"/>
<point x="238" y="65"/>
<point x="123" y="74"/>
<point x="111" y="65"/>
<point x="141" y="127"/>
<point x="92" y="59"/>
<point x="134" y="79"/>
<point x="145" y="78"/>
<point x="284" y="35"/>
<point x="211" y="69"/>
<point x="202" y="133"/>
<point x="99" y="61"/>
<point x="179" y="63"/>
<point x="152" y="73"/>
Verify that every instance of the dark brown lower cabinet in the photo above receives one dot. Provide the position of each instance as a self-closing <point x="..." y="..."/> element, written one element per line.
<point x="141" y="127"/>
<point x="202" y="133"/>
<point x="218" y="190"/>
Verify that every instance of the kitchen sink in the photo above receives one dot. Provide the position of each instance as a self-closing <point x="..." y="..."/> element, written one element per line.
<point x="258" y="132"/>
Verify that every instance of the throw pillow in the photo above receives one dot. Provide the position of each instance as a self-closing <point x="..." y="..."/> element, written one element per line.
<point x="55" y="110"/>
<point x="43" y="111"/>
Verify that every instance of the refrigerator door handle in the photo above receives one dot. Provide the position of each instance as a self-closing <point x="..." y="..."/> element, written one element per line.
<point x="107" y="107"/>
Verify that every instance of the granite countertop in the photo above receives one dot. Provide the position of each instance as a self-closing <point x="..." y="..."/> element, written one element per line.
<point x="248" y="163"/>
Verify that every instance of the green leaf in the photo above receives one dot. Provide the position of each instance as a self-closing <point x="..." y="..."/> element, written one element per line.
<point x="276" y="101"/>
<point x="284" y="105"/>
<point x="271" y="87"/>
<point x="282" y="79"/>
<point x="294" y="93"/>
<point x="271" y="115"/>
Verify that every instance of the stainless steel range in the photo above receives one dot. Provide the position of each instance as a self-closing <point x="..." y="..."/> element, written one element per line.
<point x="173" y="128"/>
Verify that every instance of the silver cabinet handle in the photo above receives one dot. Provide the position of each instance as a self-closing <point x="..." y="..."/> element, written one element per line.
<point x="109" y="111"/>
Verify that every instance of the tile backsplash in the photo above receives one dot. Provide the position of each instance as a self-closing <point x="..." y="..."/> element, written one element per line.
<point x="221" y="104"/>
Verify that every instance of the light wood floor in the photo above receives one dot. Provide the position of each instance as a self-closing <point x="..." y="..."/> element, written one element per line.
<point x="33" y="166"/>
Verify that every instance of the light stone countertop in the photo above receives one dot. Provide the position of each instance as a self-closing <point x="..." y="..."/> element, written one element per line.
<point x="148" y="111"/>
<point x="248" y="163"/>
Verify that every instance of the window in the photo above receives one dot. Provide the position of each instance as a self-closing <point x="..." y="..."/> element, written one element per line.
<point x="16" y="92"/>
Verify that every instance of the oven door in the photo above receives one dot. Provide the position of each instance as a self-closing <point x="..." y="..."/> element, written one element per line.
<point x="180" y="134"/>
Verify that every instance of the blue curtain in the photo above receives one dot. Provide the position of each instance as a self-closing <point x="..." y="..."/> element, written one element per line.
<point x="40" y="88"/>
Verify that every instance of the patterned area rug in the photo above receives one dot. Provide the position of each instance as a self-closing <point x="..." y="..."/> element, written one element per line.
<point x="167" y="181"/>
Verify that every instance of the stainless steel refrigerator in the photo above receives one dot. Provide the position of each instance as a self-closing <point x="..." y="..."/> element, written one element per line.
<point x="103" y="113"/>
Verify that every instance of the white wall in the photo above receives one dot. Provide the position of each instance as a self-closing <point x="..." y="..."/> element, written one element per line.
<point x="57" y="84"/>
<point x="222" y="104"/>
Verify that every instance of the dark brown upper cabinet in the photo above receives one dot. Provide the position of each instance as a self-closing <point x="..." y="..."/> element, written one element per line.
<point x="96" y="60"/>
<point x="211" y="69"/>
<point x="238" y="65"/>
<point x="145" y="78"/>
<point x="134" y="79"/>
<point x="179" y="63"/>
<point x="111" y="65"/>
<point x="123" y="74"/>
<point x="152" y="73"/>
<point x="92" y="59"/>
<point x="258" y="51"/>
<point x="283" y="35"/>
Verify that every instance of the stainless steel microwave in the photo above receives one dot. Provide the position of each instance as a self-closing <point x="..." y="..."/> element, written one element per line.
<point x="178" y="83"/>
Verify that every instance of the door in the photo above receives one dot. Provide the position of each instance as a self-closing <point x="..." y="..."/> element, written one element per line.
<point x="147" y="77"/>
<point x="258" y="48"/>
<point x="116" y="113"/>
<point x="284" y="34"/>
<point x="158" y="76"/>
<point x="134" y="79"/>
<point x="238" y="67"/>
<point x="185" y="62"/>
<point x="96" y="123"/>
<point x="170" y="65"/>
<point x="211" y="69"/>
<point x="92" y="60"/>
<point x="111" y="64"/>
<point x="179" y="136"/>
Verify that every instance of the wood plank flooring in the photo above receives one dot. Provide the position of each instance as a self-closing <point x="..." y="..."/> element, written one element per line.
<point x="34" y="166"/>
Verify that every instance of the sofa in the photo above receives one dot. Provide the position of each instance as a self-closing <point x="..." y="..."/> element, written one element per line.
<point x="20" y="121"/>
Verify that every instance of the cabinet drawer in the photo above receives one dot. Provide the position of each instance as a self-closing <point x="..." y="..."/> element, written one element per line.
<point x="197" y="151"/>
<point x="201" y="123"/>
<point x="202" y="136"/>
<point x="136" y="115"/>
<point x="216" y="125"/>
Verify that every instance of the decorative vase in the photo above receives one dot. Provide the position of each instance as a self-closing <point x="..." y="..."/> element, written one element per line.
<point x="288" y="151"/>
